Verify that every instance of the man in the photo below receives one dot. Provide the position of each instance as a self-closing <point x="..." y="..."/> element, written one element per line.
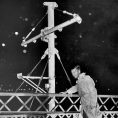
<point x="87" y="92"/>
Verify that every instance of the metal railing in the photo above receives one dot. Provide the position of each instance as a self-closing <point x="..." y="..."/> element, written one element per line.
<point x="28" y="105"/>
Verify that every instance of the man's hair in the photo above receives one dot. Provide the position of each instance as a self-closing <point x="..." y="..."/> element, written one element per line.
<point x="77" y="67"/>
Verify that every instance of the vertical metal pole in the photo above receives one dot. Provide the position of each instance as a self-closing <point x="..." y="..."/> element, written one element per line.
<point x="51" y="49"/>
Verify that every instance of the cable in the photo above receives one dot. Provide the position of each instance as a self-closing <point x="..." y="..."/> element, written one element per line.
<point x="57" y="54"/>
<point x="33" y="29"/>
<point x="65" y="72"/>
<point x="41" y="19"/>
<point x="39" y="83"/>
<point x="43" y="73"/>
<point x="19" y="86"/>
<point x="29" y="74"/>
<point x="34" y="67"/>
<point x="59" y="10"/>
<point x="66" y="12"/>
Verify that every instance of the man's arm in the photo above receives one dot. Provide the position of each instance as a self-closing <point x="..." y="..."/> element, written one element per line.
<point x="73" y="89"/>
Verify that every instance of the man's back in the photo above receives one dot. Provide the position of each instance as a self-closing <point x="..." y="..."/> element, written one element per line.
<point x="86" y="89"/>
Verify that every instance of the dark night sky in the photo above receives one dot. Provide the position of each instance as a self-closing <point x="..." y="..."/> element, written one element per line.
<point x="92" y="44"/>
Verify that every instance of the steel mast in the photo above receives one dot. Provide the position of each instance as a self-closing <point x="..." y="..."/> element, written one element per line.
<point x="51" y="51"/>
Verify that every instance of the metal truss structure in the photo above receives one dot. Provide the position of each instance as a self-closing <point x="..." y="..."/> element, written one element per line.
<point x="28" y="105"/>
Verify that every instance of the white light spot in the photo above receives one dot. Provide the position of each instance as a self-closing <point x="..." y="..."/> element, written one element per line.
<point x="24" y="51"/>
<point x="34" y="41"/>
<point x="26" y="19"/>
<point x="23" y="37"/>
<point x="96" y="81"/>
<point x="80" y="36"/>
<point x="95" y="23"/>
<point x="21" y="17"/>
<point x="25" y="45"/>
<point x="16" y="33"/>
<point x="80" y="6"/>
<point x="108" y="89"/>
<point x="3" y="45"/>
<point x="89" y="13"/>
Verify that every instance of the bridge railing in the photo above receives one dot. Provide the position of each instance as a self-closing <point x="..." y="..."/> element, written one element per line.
<point x="28" y="102"/>
<point x="26" y="105"/>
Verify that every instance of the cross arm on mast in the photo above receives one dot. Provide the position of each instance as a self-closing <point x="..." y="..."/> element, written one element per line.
<point x="76" y="18"/>
<point x="27" y="79"/>
<point x="19" y="76"/>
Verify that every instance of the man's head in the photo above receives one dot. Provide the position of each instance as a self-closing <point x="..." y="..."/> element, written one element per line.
<point x="76" y="71"/>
